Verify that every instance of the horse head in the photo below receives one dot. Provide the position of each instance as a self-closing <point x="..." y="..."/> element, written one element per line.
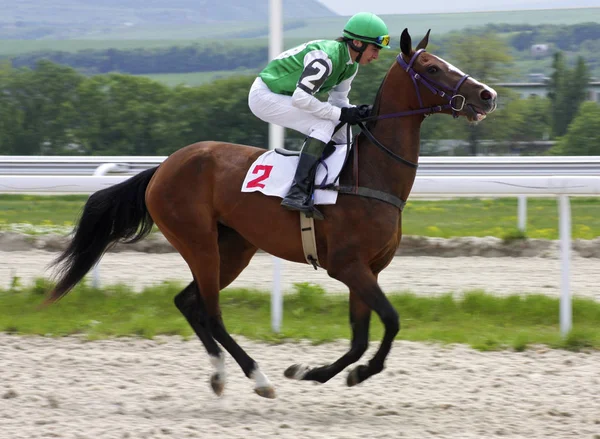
<point x="438" y="86"/>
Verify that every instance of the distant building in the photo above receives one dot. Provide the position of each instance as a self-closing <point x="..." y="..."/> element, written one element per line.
<point x="539" y="50"/>
<point x="538" y="77"/>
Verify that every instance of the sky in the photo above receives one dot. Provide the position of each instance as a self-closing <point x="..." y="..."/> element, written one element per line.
<point x="349" y="7"/>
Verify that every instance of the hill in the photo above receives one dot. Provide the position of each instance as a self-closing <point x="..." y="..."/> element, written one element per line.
<point x="37" y="19"/>
<point x="74" y="30"/>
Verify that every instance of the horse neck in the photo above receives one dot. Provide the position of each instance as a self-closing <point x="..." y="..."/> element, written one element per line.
<point x="401" y="135"/>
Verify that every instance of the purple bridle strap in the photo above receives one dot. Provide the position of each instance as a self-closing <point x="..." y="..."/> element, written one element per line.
<point x="434" y="87"/>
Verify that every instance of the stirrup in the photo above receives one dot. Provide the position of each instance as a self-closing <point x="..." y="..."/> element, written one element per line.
<point x="309" y="210"/>
<point x="314" y="213"/>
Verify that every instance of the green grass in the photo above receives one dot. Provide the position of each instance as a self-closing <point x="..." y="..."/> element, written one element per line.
<point x="477" y="319"/>
<point x="197" y="78"/>
<point x="40" y="210"/>
<point x="498" y="217"/>
<point x="441" y="218"/>
<point x="16" y="47"/>
<point x="418" y="24"/>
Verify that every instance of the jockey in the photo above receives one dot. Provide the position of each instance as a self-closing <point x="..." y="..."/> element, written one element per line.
<point x="283" y="94"/>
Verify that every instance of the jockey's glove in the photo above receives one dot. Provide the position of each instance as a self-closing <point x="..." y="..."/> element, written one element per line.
<point x="353" y="115"/>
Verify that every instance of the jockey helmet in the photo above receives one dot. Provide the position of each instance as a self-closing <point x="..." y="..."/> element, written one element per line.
<point x="368" y="28"/>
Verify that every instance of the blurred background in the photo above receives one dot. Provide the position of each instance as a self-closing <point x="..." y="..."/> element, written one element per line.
<point x="113" y="87"/>
<point x="134" y="77"/>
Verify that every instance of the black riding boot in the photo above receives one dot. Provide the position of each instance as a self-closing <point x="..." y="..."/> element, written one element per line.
<point x="300" y="195"/>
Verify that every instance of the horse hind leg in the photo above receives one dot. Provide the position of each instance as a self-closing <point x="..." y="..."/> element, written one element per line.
<point x="200" y="250"/>
<point x="234" y="255"/>
<point x="190" y="304"/>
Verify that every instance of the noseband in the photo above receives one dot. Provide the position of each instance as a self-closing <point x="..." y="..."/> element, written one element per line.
<point x="456" y="102"/>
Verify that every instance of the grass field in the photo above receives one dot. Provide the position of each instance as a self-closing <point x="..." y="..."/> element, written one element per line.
<point x="197" y="78"/>
<point x="439" y="24"/>
<point x="14" y="47"/>
<point x="483" y="321"/>
<point x="442" y="218"/>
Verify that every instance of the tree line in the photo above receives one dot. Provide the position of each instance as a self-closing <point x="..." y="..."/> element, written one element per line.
<point x="53" y="109"/>
<point x="563" y="37"/>
<point x="175" y="59"/>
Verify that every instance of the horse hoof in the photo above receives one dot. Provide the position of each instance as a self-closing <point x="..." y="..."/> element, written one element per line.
<point x="354" y="377"/>
<point x="296" y="371"/>
<point x="265" y="392"/>
<point x="217" y="384"/>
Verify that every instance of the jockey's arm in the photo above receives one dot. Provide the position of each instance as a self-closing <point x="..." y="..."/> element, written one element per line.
<point x="317" y="67"/>
<point x="338" y="95"/>
<point x="310" y="104"/>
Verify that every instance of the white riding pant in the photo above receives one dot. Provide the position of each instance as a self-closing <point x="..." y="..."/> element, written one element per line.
<point x="278" y="109"/>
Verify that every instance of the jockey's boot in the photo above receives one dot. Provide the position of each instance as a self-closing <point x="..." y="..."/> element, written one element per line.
<point x="299" y="196"/>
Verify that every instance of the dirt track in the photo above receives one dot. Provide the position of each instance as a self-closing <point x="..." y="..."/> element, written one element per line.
<point x="424" y="275"/>
<point x="128" y="388"/>
<point x="67" y="388"/>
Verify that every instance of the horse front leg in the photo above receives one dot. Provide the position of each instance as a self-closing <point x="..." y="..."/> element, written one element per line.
<point x="362" y="280"/>
<point x="360" y="317"/>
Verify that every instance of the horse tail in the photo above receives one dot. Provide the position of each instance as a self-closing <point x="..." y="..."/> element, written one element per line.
<point x="117" y="213"/>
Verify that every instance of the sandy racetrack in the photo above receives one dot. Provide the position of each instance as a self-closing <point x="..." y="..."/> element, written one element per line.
<point x="127" y="388"/>
<point x="159" y="389"/>
<point x="424" y="275"/>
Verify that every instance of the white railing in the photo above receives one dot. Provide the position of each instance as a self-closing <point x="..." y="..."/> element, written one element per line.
<point x="428" y="166"/>
<point x="561" y="186"/>
<point x="130" y="165"/>
<point x="424" y="187"/>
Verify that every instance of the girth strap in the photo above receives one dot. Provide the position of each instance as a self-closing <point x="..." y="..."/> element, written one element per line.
<point x="371" y="193"/>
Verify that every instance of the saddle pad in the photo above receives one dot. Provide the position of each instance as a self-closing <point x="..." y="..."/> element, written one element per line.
<point x="273" y="173"/>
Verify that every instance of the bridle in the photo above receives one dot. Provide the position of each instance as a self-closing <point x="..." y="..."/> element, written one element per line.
<point x="454" y="99"/>
<point x="456" y="102"/>
<point x="435" y="87"/>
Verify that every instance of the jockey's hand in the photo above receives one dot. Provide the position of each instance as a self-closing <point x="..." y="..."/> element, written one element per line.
<point x="353" y="115"/>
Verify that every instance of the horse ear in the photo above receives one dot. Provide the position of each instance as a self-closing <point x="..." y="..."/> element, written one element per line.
<point x="424" y="41"/>
<point x="405" y="43"/>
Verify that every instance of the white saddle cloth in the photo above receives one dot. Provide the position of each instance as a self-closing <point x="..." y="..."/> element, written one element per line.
<point x="273" y="173"/>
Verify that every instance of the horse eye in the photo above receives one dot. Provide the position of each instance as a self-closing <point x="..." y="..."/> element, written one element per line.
<point x="432" y="70"/>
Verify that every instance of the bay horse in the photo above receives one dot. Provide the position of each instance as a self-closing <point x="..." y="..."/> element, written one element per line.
<point x="195" y="199"/>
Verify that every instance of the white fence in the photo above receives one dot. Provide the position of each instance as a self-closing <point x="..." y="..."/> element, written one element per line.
<point x="482" y="177"/>
<point x="437" y="166"/>
<point x="424" y="187"/>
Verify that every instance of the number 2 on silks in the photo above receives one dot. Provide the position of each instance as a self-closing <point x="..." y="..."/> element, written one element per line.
<point x="264" y="171"/>
<point x="313" y="76"/>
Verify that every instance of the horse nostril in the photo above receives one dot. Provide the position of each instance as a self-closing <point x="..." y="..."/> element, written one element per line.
<point x="486" y="95"/>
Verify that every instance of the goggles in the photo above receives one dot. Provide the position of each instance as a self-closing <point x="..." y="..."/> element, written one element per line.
<point x="383" y="40"/>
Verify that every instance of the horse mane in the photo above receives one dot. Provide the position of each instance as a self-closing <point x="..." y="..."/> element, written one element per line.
<point x="372" y="123"/>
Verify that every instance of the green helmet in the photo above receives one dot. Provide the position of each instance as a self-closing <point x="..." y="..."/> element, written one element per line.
<point x="369" y="28"/>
